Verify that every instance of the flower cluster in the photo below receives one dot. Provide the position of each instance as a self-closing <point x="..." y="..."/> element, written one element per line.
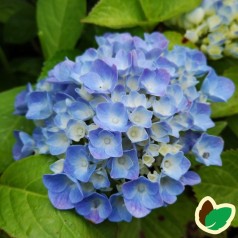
<point x="213" y="26"/>
<point x="121" y="119"/>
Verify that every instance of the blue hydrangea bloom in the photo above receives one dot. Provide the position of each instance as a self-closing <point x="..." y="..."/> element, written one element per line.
<point x="39" y="106"/>
<point x="24" y="146"/>
<point x="63" y="191"/>
<point x="77" y="163"/>
<point x="126" y="166"/>
<point x="207" y="149"/>
<point x="119" y="211"/>
<point x="169" y="188"/>
<point x="105" y="144"/>
<point x="101" y="79"/>
<point x="95" y="207"/>
<point x="217" y="88"/>
<point x="121" y="119"/>
<point x="112" y="116"/>
<point x="175" y="165"/>
<point x="141" y="196"/>
<point x="21" y="101"/>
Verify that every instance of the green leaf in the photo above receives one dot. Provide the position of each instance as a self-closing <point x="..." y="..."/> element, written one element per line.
<point x="161" y="10"/>
<point x="223" y="109"/>
<point x="220" y="182"/>
<point x="176" y="38"/>
<point x="27" y="212"/>
<point x="9" y="123"/>
<point x="217" y="218"/>
<point x="218" y="128"/>
<point x="232" y="123"/>
<point x="8" y="8"/>
<point x="129" y="230"/>
<point x="116" y="14"/>
<point x="169" y="221"/>
<point x="27" y="65"/>
<point x="59" y="24"/>
<point x="57" y="58"/>
<point x="21" y="26"/>
<point x="223" y="64"/>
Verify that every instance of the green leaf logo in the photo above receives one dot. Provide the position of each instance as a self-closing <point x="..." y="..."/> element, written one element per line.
<point x="213" y="218"/>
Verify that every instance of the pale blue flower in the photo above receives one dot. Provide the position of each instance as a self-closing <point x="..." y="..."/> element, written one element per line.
<point x="175" y="165"/>
<point x="155" y="82"/>
<point x="24" y="145"/>
<point x="105" y="144"/>
<point x="101" y="78"/>
<point x="63" y="191"/>
<point x="141" y="196"/>
<point x="119" y="211"/>
<point x="39" y="106"/>
<point x="77" y="163"/>
<point x="207" y="149"/>
<point x="125" y="166"/>
<point x="217" y="88"/>
<point x="111" y="116"/>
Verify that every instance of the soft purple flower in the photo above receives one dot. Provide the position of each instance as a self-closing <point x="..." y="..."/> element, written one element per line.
<point x="140" y="196"/>
<point x="21" y="101"/>
<point x="95" y="208"/>
<point x="119" y="211"/>
<point x="63" y="192"/>
<point x="155" y="82"/>
<point x="111" y="116"/>
<point x="24" y="145"/>
<point x="101" y="79"/>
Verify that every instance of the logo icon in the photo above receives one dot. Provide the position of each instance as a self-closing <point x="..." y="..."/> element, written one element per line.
<point x="213" y="218"/>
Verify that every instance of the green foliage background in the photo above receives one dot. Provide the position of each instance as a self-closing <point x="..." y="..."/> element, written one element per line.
<point x="37" y="34"/>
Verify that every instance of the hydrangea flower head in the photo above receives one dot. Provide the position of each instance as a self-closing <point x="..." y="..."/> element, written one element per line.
<point x="213" y="26"/>
<point x="121" y="119"/>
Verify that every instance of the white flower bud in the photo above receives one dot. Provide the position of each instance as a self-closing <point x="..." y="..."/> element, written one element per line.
<point x="196" y="16"/>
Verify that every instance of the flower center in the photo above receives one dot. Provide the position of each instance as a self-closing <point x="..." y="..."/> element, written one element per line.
<point x="107" y="141"/>
<point x="137" y="119"/>
<point x="96" y="203"/>
<point x="141" y="188"/>
<point x="121" y="160"/>
<point x="84" y="163"/>
<point x="206" y="155"/>
<point x="167" y="164"/>
<point x="80" y="131"/>
<point x="115" y="120"/>
<point x="133" y="133"/>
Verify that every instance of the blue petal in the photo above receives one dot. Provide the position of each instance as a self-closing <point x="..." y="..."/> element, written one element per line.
<point x="39" y="106"/>
<point x="95" y="208"/>
<point x="112" y="116"/>
<point x="218" y="89"/>
<point x="119" y="211"/>
<point x="190" y="178"/>
<point x="208" y="150"/>
<point x="55" y="182"/>
<point x="201" y="113"/>
<point x="77" y="163"/>
<point x="155" y="82"/>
